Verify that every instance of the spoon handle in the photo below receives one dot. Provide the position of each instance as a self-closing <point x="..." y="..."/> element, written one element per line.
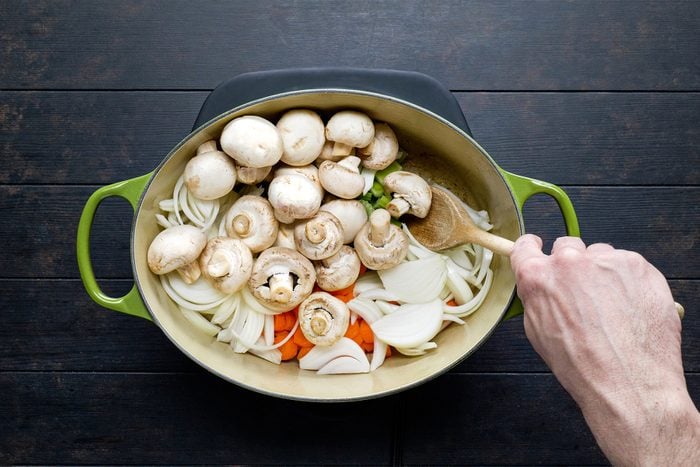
<point x="498" y="245"/>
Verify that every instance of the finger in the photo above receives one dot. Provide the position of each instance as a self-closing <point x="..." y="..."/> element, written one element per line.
<point x="562" y="243"/>
<point x="600" y="248"/>
<point x="526" y="247"/>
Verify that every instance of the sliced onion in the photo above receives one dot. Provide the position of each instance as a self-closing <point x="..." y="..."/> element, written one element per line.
<point x="472" y="305"/>
<point x="253" y="302"/>
<point x="185" y="303"/>
<point x="344" y="365"/>
<point x="320" y="355"/>
<point x="386" y="307"/>
<point x="368" y="281"/>
<point x="379" y="294"/>
<point x="176" y="198"/>
<point x="226" y="309"/>
<point x="163" y="221"/>
<point x="272" y="355"/>
<point x="459" y="288"/>
<point x="378" y="354"/>
<point x="411" y="325"/>
<point x="200" y="322"/>
<point x="368" y="176"/>
<point x="167" y="205"/>
<point x="418" y="350"/>
<point x="201" y="291"/>
<point x="247" y="330"/>
<point x="365" y="309"/>
<point x="452" y="318"/>
<point x="269" y="330"/>
<point x="416" y="281"/>
<point x="263" y="347"/>
<point x="460" y="258"/>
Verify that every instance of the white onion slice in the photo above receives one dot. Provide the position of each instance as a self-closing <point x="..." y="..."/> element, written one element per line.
<point x="416" y="281"/>
<point x="378" y="354"/>
<point x="253" y="302"/>
<point x="368" y="176"/>
<point x="320" y="355"/>
<point x="418" y="350"/>
<point x="200" y="322"/>
<point x="344" y="365"/>
<point x="379" y="294"/>
<point x="368" y="281"/>
<point x="269" y="330"/>
<point x="452" y="318"/>
<point x="200" y="292"/>
<point x="185" y="303"/>
<point x="472" y="305"/>
<point x="365" y="309"/>
<point x="386" y="307"/>
<point x="411" y="325"/>
<point x="226" y="309"/>
<point x="459" y="289"/>
<point x="272" y="355"/>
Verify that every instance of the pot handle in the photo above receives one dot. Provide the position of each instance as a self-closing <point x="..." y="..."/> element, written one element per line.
<point x="130" y="190"/>
<point x="523" y="188"/>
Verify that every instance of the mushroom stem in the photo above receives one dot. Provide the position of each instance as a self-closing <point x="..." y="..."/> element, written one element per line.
<point x="207" y="146"/>
<point x="316" y="230"/>
<point x="241" y="225"/>
<point x="341" y="149"/>
<point x="281" y="287"/>
<point x="379" y="222"/>
<point x="397" y="207"/>
<point x="220" y="264"/>
<point x="320" y="321"/>
<point x="190" y="272"/>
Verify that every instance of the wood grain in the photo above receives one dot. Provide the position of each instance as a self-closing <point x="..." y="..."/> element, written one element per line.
<point x="93" y="418"/>
<point x="504" y="45"/>
<point x="563" y="138"/>
<point x="662" y="223"/>
<point x="52" y="325"/>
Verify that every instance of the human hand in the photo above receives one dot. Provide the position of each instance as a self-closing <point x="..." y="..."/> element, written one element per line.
<point x="605" y="322"/>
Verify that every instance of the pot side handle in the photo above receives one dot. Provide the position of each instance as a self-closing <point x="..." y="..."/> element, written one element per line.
<point x="523" y="188"/>
<point x="130" y="190"/>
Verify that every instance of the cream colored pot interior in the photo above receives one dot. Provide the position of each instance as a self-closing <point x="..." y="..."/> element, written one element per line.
<point x="440" y="153"/>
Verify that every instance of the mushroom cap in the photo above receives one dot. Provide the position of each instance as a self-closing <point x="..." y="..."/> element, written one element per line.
<point x="252" y="175"/>
<point x="320" y="236"/>
<point x="285" y="236"/>
<point x="323" y="318"/>
<point x="327" y="154"/>
<point x="383" y="149"/>
<point x="228" y="262"/>
<point x="342" y="178"/>
<point x="175" y="247"/>
<point x="281" y="261"/>
<point x="351" y="213"/>
<point x="350" y="127"/>
<point x="252" y="141"/>
<point x="388" y="252"/>
<point x="210" y="175"/>
<point x="338" y="271"/>
<point x="412" y="188"/>
<point x="251" y="219"/>
<point x="309" y="171"/>
<point x="294" y="196"/>
<point x="302" y="132"/>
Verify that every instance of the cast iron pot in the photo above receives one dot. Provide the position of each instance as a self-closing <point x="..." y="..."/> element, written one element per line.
<point x="428" y="122"/>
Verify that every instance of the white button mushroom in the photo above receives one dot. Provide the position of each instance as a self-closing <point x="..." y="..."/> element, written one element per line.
<point x="285" y="236"/>
<point x="251" y="220"/>
<point x="383" y="149"/>
<point x="323" y="318"/>
<point x="252" y="141"/>
<point x="303" y="137"/>
<point x="380" y="244"/>
<point x="327" y="153"/>
<point x="252" y="175"/>
<point x="177" y="248"/>
<point x="281" y="279"/>
<point x="349" y="129"/>
<point x="342" y="178"/>
<point x="210" y="174"/>
<point x="227" y="262"/>
<point x="351" y="214"/>
<point x="308" y="171"/>
<point x="338" y="271"/>
<point x="411" y="194"/>
<point x="294" y="196"/>
<point x="319" y="237"/>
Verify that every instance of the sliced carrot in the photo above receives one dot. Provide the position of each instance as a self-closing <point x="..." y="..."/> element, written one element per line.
<point x="452" y="303"/>
<point x="289" y="350"/>
<point x="366" y="332"/>
<point x="367" y="347"/>
<point x="358" y="339"/>
<point x="280" y="335"/>
<point x="303" y="351"/>
<point x="345" y="298"/>
<point x="279" y="322"/>
<point x="388" y="351"/>
<point x="290" y="318"/>
<point x="363" y="269"/>
<point x="353" y="330"/>
<point x="301" y="340"/>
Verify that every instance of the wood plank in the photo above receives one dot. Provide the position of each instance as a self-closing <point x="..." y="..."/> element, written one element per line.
<point x="564" y="138"/>
<point x="52" y="325"/>
<point x="662" y="223"/>
<point x="590" y="138"/>
<point x="503" y="45"/>
<point x="93" y="418"/>
<point x="498" y="420"/>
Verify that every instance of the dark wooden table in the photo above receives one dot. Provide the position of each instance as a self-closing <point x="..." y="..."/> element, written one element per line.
<point x="599" y="97"/>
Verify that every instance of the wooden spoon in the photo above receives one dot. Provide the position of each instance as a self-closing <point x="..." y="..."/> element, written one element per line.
<point x="448" y="224"/>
